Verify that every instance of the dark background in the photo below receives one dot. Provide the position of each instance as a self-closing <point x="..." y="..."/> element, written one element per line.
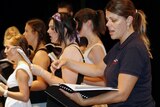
<point x="17" y="12"/>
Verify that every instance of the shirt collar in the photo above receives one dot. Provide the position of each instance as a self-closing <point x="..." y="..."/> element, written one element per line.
<point x="130" y="38"/>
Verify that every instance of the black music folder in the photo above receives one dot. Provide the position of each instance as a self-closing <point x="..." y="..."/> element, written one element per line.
<point x="86" y="91"/>
<point x="56" y="94"/>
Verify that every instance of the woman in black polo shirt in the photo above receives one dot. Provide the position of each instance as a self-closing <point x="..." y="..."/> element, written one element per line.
<point x="127" y="66"/>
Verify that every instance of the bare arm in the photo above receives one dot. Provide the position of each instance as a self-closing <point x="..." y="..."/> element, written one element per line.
<point x="68" y="75"/>
<point x="41" y="58"/>
<point x="92" y="70"/>
<point x="23" y="94"/>
<point x="96" y="55"/>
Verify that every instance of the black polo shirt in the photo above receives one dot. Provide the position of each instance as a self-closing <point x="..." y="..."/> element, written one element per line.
<point x="131" y="57"/>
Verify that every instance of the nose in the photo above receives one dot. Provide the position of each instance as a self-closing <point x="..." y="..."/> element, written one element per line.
<point x="5" y="50"/>
<point x="48" y="31"/>
<point x="108" y="23"/>
<point x="24" y="33"/>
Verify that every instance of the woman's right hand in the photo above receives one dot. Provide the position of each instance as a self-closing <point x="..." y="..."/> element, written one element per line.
<point x="3" y="86"/>
<point x="57" y="64"/>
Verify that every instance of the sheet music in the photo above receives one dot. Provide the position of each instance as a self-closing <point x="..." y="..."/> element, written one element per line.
<point x="6" y="60"/>
<point x="85" y="90"/>
<point x="21" y="52"/>
<point x="3" y="79"/>
<point x="51" y="44"/>
<point x="52" y="56"/>
<point x="84" y="87"/>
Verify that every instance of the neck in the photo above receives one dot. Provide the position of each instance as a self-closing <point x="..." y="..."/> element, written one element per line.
<point x="67" y="44"/>
<point x="18" y="60"/>
<point x="93" y="40"/>
<point x="41" y="45"/>
<point x="126" y="35"/>
<point x="34" y="45"/>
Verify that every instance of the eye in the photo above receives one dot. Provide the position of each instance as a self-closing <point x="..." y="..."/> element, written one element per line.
<point x="52" y="27"/>
<point x="106" y="20"/>
<point x="114" y="20"/>
<point x="7" y="47"/>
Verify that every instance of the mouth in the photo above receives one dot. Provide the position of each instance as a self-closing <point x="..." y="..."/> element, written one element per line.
<point x="111" y="32"/>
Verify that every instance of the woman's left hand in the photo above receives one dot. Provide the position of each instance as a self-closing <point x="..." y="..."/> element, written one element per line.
<point x="3" y="86"/>
<point x="76" y="97"/>
<point x="1" y="91"/>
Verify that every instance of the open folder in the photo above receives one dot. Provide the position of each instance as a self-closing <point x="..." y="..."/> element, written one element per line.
<point x="21" y="52"/>
<point x="86" y="91"/>
<point x="5" y="64"/>
<point x="3" y="79"/>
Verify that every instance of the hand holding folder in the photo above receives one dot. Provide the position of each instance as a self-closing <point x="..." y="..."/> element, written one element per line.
<point x="86" y="91"/>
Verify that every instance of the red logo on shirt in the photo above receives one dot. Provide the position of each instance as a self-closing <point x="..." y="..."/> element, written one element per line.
<point x="115" y="61"/>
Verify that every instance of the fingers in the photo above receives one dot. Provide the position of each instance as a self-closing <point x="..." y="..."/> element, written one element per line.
<point x="52" y="69"/>
<point x="66" y="93"/>
<point x="55" y="64"/>
<point x="1" y="83"/>
<point x="59" y="63"/>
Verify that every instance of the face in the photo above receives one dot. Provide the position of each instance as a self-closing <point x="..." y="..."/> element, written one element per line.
<point x="52" y="32"/>
<point x="10" y="50"/>
<point x="64" y="10"/>
<point x="29" y="34"/>
<point x="117" y="25"/>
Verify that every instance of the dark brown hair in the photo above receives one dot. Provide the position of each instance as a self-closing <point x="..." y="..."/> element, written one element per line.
<point x="126" y="8"/>
<point x="97" y="18"/>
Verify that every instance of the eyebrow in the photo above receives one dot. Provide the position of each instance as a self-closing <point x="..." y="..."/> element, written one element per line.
<point x="51" y="26"/>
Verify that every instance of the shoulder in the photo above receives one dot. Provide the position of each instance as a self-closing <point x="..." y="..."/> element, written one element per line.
<point x="41" y="55"/>
<point x="71" y="49"/>
<point x="137" y="45"/>
<point x="71" y="52"/>
<point x="99" y="46"/>
<point x="96" y="48"/>
<point x="41" y="51"/>
<point x="23" y="68"/>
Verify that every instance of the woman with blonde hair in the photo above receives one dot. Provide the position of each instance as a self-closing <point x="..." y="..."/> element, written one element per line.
<point x="17" y="89"/>
<point x="10" y="32"/>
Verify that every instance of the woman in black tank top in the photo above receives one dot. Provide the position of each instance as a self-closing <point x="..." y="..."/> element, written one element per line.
<point x="35" y="33"/>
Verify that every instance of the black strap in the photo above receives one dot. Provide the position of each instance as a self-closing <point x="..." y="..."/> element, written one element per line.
<point x="14" y="89"/>
<point x="43" y="49"/>
<point x="80" y="76"/>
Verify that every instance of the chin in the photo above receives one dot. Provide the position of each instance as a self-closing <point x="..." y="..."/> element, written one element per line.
<point x="113" y="38"/>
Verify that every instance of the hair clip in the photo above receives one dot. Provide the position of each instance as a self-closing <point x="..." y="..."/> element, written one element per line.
<point x="57" y="17"/>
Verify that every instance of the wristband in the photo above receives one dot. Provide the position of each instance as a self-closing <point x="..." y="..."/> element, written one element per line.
<point x="5" y="93"/>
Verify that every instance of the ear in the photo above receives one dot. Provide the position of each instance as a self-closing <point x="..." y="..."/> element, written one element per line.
<point x="129" y="20"/>
<point x="89" y="22"/>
